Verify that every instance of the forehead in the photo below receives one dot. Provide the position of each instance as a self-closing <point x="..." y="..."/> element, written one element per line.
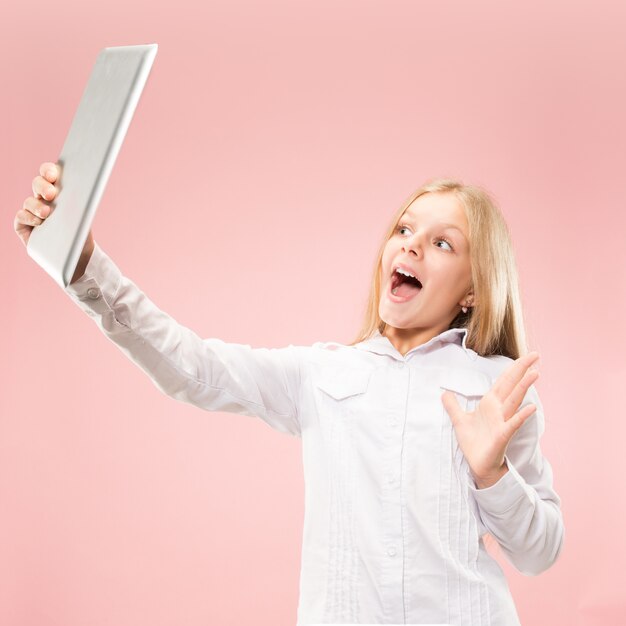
<point x="438" y="208"/>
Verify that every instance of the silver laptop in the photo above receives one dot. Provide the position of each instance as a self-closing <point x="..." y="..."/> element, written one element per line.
<point x="89" y="152"/>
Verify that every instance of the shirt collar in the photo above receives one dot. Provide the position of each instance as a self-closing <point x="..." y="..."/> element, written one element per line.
<point x="380" y="344"/>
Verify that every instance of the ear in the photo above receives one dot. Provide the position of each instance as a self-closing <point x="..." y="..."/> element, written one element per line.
<point x="469" y="299"/>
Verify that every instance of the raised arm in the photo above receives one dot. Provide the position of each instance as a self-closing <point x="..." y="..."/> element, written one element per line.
<point x="522" y="510"/>
<point x="208" y="373"/>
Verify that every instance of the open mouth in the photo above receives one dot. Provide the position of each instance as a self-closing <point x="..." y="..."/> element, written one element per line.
<point x="404" y="286"/>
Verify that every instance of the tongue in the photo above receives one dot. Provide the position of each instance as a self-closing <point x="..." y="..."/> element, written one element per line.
<point x="406" y="289"/>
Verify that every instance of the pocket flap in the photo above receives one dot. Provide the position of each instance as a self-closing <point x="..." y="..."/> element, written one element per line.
<point x="342" y="383"/>
<point x="465" y="381"/>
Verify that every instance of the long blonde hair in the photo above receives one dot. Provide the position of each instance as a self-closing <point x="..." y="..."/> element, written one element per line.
<point x="495" y="324"/>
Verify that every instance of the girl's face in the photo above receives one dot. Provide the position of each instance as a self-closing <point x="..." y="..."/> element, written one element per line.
<point x="431" y="241"/>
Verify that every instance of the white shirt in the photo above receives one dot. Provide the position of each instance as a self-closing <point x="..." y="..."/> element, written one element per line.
<point x="393" y="520"/>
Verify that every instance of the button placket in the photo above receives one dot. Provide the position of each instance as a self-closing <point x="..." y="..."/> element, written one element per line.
<point x="392" y="537"/>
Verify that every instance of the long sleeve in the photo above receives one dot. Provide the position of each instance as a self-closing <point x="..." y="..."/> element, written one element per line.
<point x="208" y="373"/>
<point x="522" y="510"/>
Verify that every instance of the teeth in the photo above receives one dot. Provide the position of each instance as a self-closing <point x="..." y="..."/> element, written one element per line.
<point x="401" y="271"/>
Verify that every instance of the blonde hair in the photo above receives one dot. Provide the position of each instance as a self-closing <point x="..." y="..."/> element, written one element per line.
<point x="495" y="323"/>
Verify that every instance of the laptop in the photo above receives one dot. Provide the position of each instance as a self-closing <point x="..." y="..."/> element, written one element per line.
<point x="89" y="152"/>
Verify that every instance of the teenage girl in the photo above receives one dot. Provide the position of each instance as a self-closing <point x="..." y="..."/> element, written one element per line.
<point x="418" y="438"/>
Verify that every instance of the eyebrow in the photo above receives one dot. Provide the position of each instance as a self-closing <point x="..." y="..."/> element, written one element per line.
<point x="444" y="224"/>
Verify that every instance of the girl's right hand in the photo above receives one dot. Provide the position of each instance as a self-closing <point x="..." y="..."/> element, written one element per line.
<point x="35" y="210"/>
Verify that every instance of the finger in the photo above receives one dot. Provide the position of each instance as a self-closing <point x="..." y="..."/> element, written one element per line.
<point x="519" y="418"/>
<point x="43" y="189"/>
<point x="26" y="217"/>
<point x="36" y="207"/>
<point x="50" y="171"/>
<point x="452" y="406"/>
<point x="512" y="375"/>
<point x="515" y="398"/>
<point x="19" y="226"/>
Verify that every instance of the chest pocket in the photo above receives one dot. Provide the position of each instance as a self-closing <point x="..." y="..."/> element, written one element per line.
<point x="468" y="385"/>
<point x="341" y="392"/>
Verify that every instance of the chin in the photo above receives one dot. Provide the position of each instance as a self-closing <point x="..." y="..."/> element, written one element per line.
<point x="409" y="326"/>
<point x="397" y="323"/>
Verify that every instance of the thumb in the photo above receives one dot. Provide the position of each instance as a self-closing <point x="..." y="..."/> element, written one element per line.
<point x="452" y="406"/>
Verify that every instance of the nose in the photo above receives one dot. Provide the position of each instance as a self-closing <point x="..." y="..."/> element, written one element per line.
<point x="412" y="245"/>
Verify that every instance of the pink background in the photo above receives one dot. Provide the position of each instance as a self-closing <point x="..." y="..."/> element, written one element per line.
<point x="269" y="149"/>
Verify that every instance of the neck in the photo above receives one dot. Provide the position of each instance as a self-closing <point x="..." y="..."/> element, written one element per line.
<point x="405" y="339"/>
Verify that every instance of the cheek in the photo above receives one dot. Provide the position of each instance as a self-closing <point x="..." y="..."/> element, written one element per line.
<point x="388" y="254"/>
<point x="452" y="277"/>
<point x="460" y="282"/>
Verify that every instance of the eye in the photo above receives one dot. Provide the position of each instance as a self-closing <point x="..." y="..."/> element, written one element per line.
<point x="445" y="241"/>
<point x="401" y="227"/>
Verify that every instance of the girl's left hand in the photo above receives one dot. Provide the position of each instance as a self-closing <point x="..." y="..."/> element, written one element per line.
<point x="484" y="434"/>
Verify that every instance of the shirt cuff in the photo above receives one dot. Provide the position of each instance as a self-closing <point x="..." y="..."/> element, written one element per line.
<point x="96" y="289"/>
<point x="502" y="495"/>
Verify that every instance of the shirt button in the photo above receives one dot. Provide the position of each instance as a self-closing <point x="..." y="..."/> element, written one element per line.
<point x="391" y="551"/>
<point x="391" y="478"/>
<point x="93" y="293"/>
<point x="399" y="364"/>
<point x="393" y="422"/>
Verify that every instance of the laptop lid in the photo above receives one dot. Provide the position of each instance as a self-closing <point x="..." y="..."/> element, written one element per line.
<point x="89" y="152"/>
